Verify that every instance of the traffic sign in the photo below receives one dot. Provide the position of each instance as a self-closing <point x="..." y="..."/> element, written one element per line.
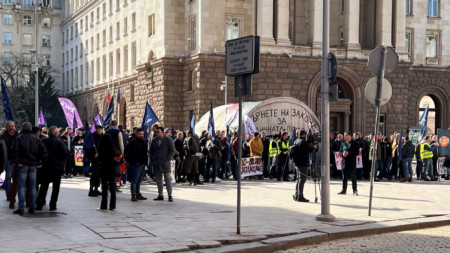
<point x="376" y="56"/>
<point x="240" y="56"/>
<point x="332" y="67"/>
<point x="371" y="91"/>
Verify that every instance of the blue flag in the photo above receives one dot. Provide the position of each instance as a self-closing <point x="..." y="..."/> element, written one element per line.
<point x="293" y="137"/>
<point x="211" y="129"/>
<point x="423" y="121"/>
<point x="148" y="119"/>
<point x="400" y="147"/>
<point x="118" y="96"/>
<point x="6" y="103"/>
<point x="191" y="126"/>
<point x="109" y="113"/>
<point x="88" y="139"/>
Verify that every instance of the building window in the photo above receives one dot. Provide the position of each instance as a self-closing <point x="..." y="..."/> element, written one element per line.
<point x="7" y="1"/>
<point x="46" y="22"/>
<point x="432" y="46"/>
<point x="133" y="54"/>
<point x="7" y="57"/>
<point x="433" y="7"/>
<point x="117" y="61"/>
<point x="26" y="20"/>
<point x="191" y="80"/>
<point x="151" y="25"/>
<point x="46" y="60"/>
<point x="111" y="65"/>
<point x="125" y="26"/>
<point x="7" y="38"/>
<point x="104" y="67"/>
<point x="87" y="23"/>
<point x="117" y="30"/>
<point x="110" y="34"/>
<point x="193" y="32"/>
<point x="110" y="7"/>
<point x="232" y="29"/>
<point x="104" y="37"/>
<point x="27" y="58"/>
<point x="7" y="19"/>
<point x="409" y="5"/>
<point x="71" y="33"/>
<point x="98" y="41"/>
<point x="92" y="44"/>
<point x="125" y="59"/>
<point x="98" y="15"/>
<point x="26" y="39"/>
<point x="408" y="42"/>
<point x="27" y="2"/>
<point x="104" y="11"/>
<point x="133" y="22"/>
<point x="117" y="5"/>
<point x="46" y="41"/>
<point x="81" y="75"/>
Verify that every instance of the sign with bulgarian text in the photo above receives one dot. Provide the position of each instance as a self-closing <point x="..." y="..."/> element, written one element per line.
<point x="251" y="166"/>
<point x="240" y="55"/>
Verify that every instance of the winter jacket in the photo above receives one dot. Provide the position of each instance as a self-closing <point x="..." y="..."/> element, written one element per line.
<point x="29" y="150"/>
<point x="408" y="150"/>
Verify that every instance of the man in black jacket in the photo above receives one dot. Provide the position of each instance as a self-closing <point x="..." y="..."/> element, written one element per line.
<point x="136" y="156"/>
<point x="29" y="155"/>
<point x="10" y="137"/>
<point x="407" y="157"/>
<point x="300" y="152"/>
<point x="349" y="151"/>
<point x="52" y="169"/>
<point x="94" y="181"/>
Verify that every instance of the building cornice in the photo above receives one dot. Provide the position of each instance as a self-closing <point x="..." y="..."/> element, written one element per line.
<point x="79" y="12"/>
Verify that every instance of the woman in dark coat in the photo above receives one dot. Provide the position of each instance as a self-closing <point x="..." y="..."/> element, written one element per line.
<point x="106" y="152"/>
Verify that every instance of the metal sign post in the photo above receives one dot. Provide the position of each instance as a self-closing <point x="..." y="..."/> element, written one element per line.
<point x="240" y="84"/>
<point x="325" y="144"/>
<point x="380" y="78"/>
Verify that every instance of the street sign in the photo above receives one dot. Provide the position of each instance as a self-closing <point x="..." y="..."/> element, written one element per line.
<point x="240" y="56"/>
<point x="375" y="57"/>
<point x="371" y="91"/>
<point x="332" y="67"/>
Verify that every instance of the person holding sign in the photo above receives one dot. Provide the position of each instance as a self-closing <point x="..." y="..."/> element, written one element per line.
<point x="349" y="151"/>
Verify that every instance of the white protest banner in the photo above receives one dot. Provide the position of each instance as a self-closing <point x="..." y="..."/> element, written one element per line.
<point x="172" y="171"/>
<point x="359" y="163"/>
<point x="252" y="166"/>
<point x="441" y="169"/>
<point x="338" y="159"/>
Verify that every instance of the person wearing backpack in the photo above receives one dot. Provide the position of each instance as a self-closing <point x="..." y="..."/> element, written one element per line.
<point x="192" y="147"/>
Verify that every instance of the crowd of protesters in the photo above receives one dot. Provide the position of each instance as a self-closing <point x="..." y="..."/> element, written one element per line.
<point x="32" y="158"/>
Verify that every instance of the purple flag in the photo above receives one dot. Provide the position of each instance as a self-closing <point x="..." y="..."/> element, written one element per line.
<point x="41" y="119"/>
<point x="70" y="112"/>
<point x="98" y="119"/>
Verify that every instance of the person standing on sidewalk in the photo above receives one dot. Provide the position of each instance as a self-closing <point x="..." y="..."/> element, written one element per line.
<point x="10" y="137"/>
<point x="407" y="156"/>
<point x="426" y="153"/>
<point x="349" y="151"/>
<point x="192" y="147"/>
<point x="106" y="153"/>
<point x="300" y="152"/>
<point x="136" y="156"/>
<point x="94" y="180"/>
<point x="162" y="150"/>
<point x="53" y="169"/>
<point x="29" y="155"/>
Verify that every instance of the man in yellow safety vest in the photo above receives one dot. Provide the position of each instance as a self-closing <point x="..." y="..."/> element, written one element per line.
<point x="426" y="153"/>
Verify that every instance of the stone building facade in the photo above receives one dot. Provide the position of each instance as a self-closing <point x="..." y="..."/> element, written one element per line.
<point x="18" y="35"/>
<point x="173" y="57"/>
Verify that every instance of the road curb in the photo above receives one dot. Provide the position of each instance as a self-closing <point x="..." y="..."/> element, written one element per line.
<point x="330" y="234"/>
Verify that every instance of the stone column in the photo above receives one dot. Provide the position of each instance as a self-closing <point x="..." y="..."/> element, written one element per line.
<point x="347" y="121"/>
<point x="315" y="25"/>
<point x="384" y="23"/>
<point x="351" y="24"/>
<point x="265" y="21"/>
<point x="283" y="23"/>
<point x="400" y="17"/>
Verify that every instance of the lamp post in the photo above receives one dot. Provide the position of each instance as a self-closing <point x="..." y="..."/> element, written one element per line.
<point x="36" y="77"/>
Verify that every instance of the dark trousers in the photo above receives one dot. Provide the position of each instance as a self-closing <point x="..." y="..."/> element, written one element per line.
<point x="56" y="183"/>
<point x="302" y="174"/>
<point x="69" y="165"/>
<point x="108" y="183"/>
<point x="266" y="168"/>
<point x="95" y="176"/>
<point x="419" y="167"/>
<point x="349" y="173"/>
<point x="283" y="168"/>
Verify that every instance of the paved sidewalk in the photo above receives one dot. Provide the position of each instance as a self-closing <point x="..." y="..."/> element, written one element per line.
<point x="203" y="218"/>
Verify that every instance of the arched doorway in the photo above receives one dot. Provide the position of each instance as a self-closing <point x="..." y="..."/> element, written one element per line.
<point x="348" y="112"/>
<point x="123" y="113"/>
<point x="439" y="104"/>
<point x="340" y="110"/>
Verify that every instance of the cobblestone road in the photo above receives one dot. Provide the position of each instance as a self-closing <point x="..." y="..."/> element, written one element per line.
<point x="425" y="240"/>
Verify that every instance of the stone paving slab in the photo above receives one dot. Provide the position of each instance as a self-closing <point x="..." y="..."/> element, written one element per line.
<point x="203" y="218"/>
